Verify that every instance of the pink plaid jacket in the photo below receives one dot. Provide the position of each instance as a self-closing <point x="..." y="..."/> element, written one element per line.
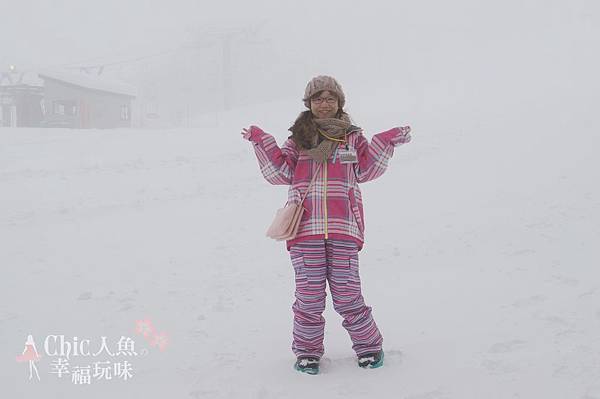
<point x="333" y="207"/>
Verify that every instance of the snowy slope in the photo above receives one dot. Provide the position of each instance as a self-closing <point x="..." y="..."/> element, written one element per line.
<point x="481" y="259"/>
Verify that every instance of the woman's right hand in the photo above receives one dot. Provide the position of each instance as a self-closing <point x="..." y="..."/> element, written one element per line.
<point x="251" y="131"/>
<point x="247" y="132"/>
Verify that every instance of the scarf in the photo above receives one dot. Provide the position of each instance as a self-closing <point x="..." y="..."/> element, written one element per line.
<point x="332" y="127"/>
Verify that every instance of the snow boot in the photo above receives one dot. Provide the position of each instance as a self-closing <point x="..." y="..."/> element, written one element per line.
<point x="307" y="364"/>
<point x="371" y="360"/>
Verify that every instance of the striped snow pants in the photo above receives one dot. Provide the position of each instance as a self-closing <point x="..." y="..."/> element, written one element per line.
<point x="335" y="261"/>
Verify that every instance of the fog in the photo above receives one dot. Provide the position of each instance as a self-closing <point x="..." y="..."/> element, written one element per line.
<point x="196" y="57"/>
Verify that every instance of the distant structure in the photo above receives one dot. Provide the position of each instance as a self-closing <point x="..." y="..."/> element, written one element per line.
<point x="79" y="100"/>
<point x="21" y="99"/>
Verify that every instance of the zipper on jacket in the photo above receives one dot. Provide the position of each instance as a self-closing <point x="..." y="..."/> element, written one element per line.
<point x="325" y="196"/>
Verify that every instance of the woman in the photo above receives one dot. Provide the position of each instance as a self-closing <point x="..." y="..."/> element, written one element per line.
<point x="324" y="142"/>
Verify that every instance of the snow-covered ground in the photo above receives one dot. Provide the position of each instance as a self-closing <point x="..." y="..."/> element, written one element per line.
<point x="480" y="262"/>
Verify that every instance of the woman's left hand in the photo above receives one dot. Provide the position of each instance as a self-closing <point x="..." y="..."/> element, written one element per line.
<point x="403" y="136"/>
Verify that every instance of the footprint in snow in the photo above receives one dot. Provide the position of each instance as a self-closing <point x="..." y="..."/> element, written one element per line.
<point x="508" y="346"/>
<point x="499" y="367"/>
<point x="84" y="296"/>
<point x="532" y="300"/>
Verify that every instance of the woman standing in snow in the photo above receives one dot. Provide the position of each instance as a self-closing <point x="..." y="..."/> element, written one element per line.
<point x="326" y="145"/>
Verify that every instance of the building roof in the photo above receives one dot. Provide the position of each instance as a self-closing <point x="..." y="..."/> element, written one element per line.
<point x="92" y="82"/>
<point x="14" y="78"/>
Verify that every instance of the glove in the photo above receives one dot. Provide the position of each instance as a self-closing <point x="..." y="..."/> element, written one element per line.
<point x="247" y="133"/>
<point x="403" y="136"/>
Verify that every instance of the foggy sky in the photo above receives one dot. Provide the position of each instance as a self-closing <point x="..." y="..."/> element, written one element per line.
<point x="45" y="33"/>
<point x="468" y="43"/>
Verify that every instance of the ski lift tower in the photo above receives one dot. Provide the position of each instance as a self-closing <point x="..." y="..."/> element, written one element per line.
<point x="226" y="38"/>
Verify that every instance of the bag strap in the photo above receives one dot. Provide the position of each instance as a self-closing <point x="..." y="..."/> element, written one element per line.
<point x="311" y="183"/>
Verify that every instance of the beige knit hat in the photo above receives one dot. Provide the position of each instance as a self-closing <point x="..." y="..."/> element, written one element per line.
<point x="321" y="83"/>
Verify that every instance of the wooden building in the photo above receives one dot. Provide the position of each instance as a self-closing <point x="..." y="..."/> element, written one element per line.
<point x="80" y="100"/>
<point x="21" y="99"/>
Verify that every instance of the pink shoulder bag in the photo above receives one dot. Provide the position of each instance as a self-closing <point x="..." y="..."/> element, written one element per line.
<point x="287" y="219"/>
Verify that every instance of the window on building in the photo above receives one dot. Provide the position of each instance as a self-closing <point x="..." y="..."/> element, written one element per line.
<point x="59" y="108"/>
<point x="124" y="112"/>
<point x="63" y="107"/>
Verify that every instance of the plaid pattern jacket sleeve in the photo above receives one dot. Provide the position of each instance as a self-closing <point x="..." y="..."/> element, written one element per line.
<point x="373" y="157"/>
<point x="277" y="165"/>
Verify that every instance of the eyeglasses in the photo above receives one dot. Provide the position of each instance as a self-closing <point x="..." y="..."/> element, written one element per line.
<point x="320" y="100"/>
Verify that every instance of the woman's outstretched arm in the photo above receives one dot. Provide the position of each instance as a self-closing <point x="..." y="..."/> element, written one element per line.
<point x="277" y="165"/>
<point x="373" y="157"/>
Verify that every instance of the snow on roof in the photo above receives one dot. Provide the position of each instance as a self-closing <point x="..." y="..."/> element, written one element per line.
<point x="90" y="82"/>
<point x="20" y="78"/>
